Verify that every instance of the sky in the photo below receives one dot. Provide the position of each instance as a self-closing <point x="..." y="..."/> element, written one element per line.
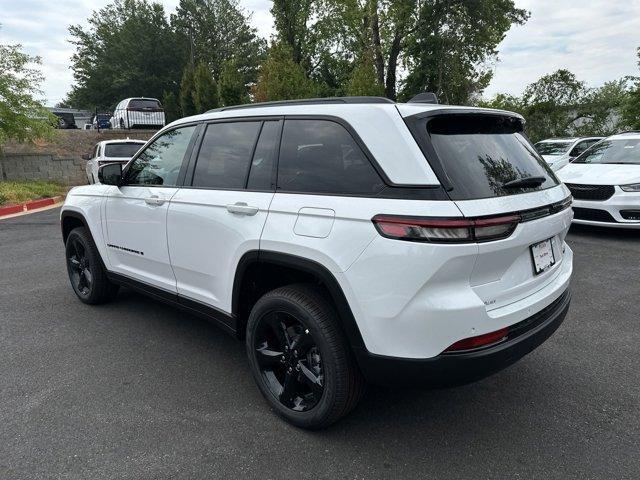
<point x="595" y="39"/>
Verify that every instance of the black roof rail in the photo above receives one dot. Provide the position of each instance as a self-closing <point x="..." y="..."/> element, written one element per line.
<point x="425" y="97"/>
<point x="307" y="101"/>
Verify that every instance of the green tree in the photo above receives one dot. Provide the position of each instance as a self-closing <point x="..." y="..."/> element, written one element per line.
<point x="281" y="78"/>
<point x="631" y="107"/>
<point x="205" y="89"/>
<point x="216" y="31"/>
<point x="128" y="49"/>
<point x="602" y="109"/>
<point x="559" y="105"/>
<point x="231" y="86"/>
<point x="171" y="106"/>
<point x="22" y="115"/>
<point x="452" y="44"/>
<point x="364" y="79"/>
<point x="187" y="86"/>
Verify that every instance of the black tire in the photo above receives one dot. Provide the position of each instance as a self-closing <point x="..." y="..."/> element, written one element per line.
<point x="325" y="377"/>
<point x="86" y="272"/>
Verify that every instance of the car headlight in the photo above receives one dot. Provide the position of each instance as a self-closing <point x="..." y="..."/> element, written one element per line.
<point x="634" y="187"/>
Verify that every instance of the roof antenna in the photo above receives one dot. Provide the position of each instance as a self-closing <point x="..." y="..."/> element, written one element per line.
<point x="426" y="97"/>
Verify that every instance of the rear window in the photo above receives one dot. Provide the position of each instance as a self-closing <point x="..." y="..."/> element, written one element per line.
<point x="144" y="104"/>
<point x="481" y="153"/>
<point x="613" y="151"/>
<point x="124" y="150"/>
<point x="553" y="148"/>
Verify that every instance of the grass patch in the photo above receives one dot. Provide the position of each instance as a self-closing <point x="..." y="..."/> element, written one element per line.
<point x="18" y="192"/>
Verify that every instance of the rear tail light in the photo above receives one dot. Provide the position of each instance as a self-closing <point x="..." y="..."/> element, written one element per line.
<point x="485" y="340"/>
<point x="444" y="230"/>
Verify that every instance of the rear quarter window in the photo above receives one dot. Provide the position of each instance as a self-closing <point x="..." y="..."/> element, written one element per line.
<point x="321" y="156"/>
<point x="480" y="153"/>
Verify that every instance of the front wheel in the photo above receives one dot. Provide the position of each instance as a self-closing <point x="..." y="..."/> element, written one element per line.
<point x="300" y="359"/>
<point x="87" y="274"/>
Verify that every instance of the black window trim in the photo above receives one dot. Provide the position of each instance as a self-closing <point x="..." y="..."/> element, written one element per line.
<point x="190" y="169"/>
<point x="390" y="190"/>
<point x="417" y="125"/>
<point x="185" y="159"/>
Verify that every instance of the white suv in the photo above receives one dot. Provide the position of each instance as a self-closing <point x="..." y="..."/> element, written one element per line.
<point x="344" y="240"/>
<point x="559" y="152"/>
<point x="110" y="151"/>
<point x="140" y="112"/>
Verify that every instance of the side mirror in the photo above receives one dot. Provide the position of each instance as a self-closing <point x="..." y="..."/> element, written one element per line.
<point x="110" y="174"/>
<point x="86" y="156"/>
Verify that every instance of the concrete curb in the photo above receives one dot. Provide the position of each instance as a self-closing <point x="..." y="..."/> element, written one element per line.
<point x="30" y="205"/>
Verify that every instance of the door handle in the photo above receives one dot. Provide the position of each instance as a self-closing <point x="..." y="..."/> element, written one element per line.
<point x="241" y="208"/>
<point x="154" y="200"/>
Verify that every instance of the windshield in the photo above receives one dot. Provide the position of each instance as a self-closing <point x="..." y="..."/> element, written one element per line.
<point x="124" y="150"/>
<point x="553" y="148"/>
<point x="147" y="104"/>
<point x="480" y="154"/>
<point x="613" y="151"/>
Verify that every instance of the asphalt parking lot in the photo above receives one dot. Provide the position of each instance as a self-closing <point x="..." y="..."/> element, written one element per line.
<point x="138" y="390"/>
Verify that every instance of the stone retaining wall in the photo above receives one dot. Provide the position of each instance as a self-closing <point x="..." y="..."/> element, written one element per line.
<point x="59" y="160"/>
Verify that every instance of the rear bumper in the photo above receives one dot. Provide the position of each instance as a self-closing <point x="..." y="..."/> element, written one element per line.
<point x="460" y="368"/>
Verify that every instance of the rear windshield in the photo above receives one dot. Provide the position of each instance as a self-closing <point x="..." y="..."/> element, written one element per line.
<point x="481" y="153"/>
<point x="613" y="151"/>
<point x="553" y="148"/>
<point x="140" y="104"/>
<point x="124" y="150"/>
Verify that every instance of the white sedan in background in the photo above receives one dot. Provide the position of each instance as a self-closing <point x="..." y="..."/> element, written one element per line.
<point x="605" y="182"/>
<point x="558" y="152"/>
<point x="110" y="151"/>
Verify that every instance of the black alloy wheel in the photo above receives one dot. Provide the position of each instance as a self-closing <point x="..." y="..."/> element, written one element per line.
<point x="79" y="267"/>
<point x="86" y="271"/>
<point x="290" y="361"/>
<point x="300" y="357"/>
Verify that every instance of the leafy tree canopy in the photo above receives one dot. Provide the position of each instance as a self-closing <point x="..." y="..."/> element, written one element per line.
<point x="217" y="31"/>
<point x="281" y="78"/>
<point x="559" y="105"/>
<point x="22" y="115"/>
<point x="128" y="50"/>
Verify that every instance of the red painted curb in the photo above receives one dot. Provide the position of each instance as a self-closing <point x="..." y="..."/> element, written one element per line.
<point x="31" y="205"/>
<point x="11" y="209"/>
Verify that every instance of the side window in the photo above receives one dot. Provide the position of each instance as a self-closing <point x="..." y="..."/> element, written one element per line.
<point x="320" y="156"/>
<point x="225" y="155"/>
<point x="581" y="147"/>
<point x="260" y="175"/>
<point x="96" y="151"/>
<point x="160" y="162"/>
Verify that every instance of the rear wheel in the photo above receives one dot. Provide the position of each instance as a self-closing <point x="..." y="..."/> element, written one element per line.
<point x="300" y="358"/>
<point x="86" y="273"/>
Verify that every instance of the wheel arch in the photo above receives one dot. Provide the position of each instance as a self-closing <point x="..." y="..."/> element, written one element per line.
<point x="70" y="219"/>
<point x="260" y="271"/>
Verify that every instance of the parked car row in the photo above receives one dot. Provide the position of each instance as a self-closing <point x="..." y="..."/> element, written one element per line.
<point x="130" y="113"/>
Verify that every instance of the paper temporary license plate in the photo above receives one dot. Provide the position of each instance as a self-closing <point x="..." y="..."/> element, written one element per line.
<point x="543" y="258"/>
